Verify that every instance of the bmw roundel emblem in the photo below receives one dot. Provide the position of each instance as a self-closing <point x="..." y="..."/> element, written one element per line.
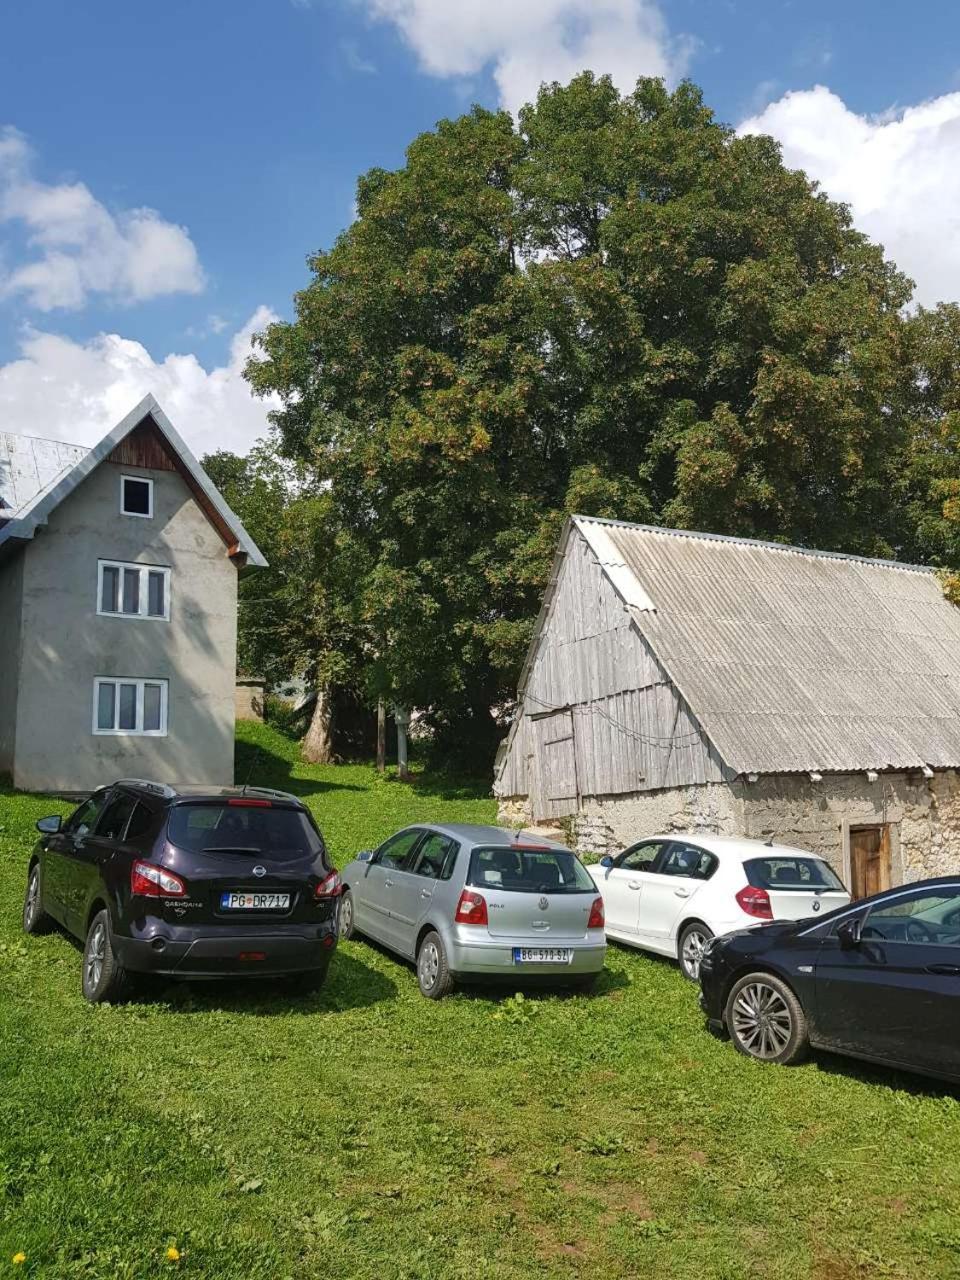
<point x="543" y="904"/>
<point x="816" y="906"/>
<point x="259" y="872"/>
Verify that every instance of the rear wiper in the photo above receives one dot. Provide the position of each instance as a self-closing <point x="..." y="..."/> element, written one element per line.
<point x="230" y="848"/>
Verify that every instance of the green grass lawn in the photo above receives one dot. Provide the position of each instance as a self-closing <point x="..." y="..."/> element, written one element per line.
<point x="367" y="1132"/>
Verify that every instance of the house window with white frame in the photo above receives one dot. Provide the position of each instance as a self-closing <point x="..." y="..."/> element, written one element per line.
<point x="136" y="497"/>
<point x="133" y="590"/>
<point x="127" y="706"/>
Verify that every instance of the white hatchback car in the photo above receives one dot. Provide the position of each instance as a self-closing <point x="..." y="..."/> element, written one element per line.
<point x="671" y="894"/>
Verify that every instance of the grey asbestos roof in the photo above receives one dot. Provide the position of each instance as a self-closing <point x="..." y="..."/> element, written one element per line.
<point x="794" y="660"/>
<point x="27" y="465"/>
<point x="40" y="488"/>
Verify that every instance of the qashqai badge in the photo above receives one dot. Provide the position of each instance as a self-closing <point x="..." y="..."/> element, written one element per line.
<point x="259" y="872"/>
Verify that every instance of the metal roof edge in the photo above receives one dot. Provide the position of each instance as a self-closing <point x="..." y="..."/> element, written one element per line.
<point x="755" y="542"/>
<point x="245" y="543"/>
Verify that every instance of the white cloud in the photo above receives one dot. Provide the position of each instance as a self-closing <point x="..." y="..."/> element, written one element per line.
<point x="526" y="43"/>
<point x="355" y="59"/>
<point x="80" y="248"/>
<point x="898" y="172"/>
<point x="76" y="391"/>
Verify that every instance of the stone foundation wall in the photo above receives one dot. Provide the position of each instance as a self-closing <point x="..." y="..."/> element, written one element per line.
<point x="923" y="816"/>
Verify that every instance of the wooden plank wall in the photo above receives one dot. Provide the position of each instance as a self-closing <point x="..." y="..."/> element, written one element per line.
<point x="631" y="729"/>
<point x="143" y="447"/>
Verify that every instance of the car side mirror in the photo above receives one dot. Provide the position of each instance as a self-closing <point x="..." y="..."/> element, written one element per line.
<point x="849" y="933"/>
<point x="365" y="855"/>
<point x="606" y="861"/>
<point x="49" y="826"/>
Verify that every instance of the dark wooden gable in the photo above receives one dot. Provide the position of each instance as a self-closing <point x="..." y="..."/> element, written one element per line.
<point x="146" y="446"/>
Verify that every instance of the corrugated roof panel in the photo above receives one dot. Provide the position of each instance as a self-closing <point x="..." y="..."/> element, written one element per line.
<point x="796" y="660"/>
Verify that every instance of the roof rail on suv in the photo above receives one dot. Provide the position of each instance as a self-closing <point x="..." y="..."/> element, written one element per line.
<point x="272" y="791"/>
<point x="156" y="788"/>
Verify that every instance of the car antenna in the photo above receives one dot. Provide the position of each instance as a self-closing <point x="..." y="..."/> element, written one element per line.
<point x="769" y="843"/>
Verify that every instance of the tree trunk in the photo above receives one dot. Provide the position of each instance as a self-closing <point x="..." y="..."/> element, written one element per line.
<point x="381" y="735"/>
<point x="317" y="746"/>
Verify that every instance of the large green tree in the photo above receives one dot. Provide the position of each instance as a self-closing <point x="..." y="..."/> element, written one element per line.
<point x="928" y="492"/>
<point x="299" y="617"/>
<point x="614" y="306"/>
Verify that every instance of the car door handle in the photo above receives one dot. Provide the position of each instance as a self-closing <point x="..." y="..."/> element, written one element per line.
<point x="947" y="970"/>
<point x="682" y="893"/>
<point x="426" y="893"/>
<point x="634" y="884"/>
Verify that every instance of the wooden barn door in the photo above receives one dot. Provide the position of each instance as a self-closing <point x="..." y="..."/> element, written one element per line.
<point x="554" y="792"/>
<point x="869" y="860"/>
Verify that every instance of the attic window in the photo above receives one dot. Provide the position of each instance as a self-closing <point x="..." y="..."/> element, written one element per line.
<point x="136" y="497"/>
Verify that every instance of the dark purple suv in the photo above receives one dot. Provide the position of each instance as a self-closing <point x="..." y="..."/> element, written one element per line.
<point x="186" y="882"/>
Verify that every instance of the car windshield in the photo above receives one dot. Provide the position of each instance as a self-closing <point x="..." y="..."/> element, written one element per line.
<point x="779" y="872"/>
<point x="528" y="871"/>
<point x="269" y="832"/>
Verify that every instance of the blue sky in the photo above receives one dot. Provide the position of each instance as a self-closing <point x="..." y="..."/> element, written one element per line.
<point x="243" y="128"/>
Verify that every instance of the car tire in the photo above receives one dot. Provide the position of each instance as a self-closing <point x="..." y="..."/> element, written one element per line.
<point x="346" y="926"/>
<point x="433" y="974"/>
<point x="693" y="938"/>
<point x="35" y="919"/>
<point x="103" y="977"/>
<point x="765" y="1020"/>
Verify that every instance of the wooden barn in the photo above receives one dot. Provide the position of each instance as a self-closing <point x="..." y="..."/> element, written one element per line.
<point x="683" y="681"/>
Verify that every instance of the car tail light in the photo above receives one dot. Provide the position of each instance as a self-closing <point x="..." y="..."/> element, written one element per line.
<point x="755" y="902"/>
<point x="597" y="919"/>
<point x="329" y="886"/>
<point x="149" y="881"/>
<point x="251" y="804"/>
<point x="471" y="909"/>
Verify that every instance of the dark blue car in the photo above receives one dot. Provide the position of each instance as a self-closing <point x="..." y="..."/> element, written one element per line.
<point x="879" y="979"/>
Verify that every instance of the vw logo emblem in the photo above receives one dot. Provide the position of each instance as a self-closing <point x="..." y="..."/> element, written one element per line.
<point x="816" y="906"/>
<point x="543" y="904"/>
<point x="259" y="872"/>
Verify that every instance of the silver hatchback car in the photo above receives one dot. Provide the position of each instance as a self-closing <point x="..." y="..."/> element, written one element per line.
<point x="474" y="902"/>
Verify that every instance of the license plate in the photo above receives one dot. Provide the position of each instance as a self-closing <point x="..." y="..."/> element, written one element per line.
<point x="254" y="901"/>
<point x="542" y="955"/>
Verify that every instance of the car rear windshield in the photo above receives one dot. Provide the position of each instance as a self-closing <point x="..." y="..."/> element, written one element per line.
<point x="269" y="833"/>
<point x="528" y="871"/>
<point x="791" y="873"/>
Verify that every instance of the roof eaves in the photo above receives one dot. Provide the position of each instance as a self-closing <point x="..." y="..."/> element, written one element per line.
<point x="245" y="543"/>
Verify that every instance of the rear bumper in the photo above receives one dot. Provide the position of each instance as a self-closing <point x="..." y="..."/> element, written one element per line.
<point x="492" y="958"/>
<point x="209" y="952"/>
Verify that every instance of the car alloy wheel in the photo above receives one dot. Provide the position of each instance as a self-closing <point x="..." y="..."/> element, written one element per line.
<point x="31" y="908"/>
<point x="346" y="916"/>
<point x="693" y="943"/>
<point x="95" y="954"/>
<point x="762" y="1021"/>
<point x="428" y="965"/>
